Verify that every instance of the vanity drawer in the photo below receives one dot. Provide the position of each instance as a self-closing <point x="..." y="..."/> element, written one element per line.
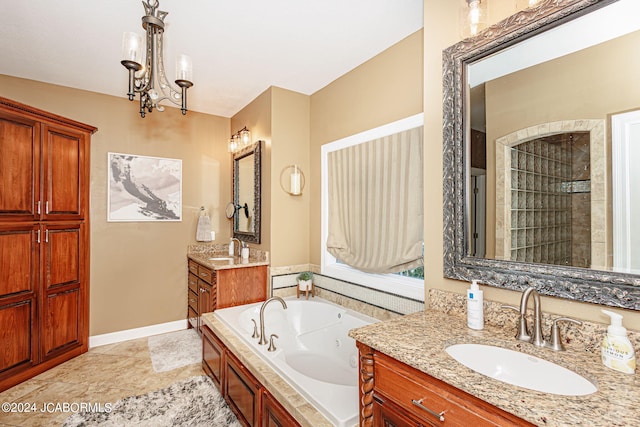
<point x="207" y="274"/>
<point x="193" y="267"/>
<point x="193" y="300"/>
<point x="193" y="283"/>
<point x="409" y="388"/>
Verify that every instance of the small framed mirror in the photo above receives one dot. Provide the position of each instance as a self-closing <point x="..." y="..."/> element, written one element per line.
<point x="246" y="193"/>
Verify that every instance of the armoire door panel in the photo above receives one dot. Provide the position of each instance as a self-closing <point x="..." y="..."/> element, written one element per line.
<point x="19" y="167"/>
<point x="16" y="335"/>
<point x="62" y="255"/>
<point x="18" y="259"/>
<point x="63" y="172"/>
<point x="60" y="321"/>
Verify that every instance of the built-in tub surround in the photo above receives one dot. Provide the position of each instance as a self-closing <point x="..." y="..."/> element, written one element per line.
<point x="312" y="350"/>
<point x="290" y="398"/>
<point x="419" y="340"/>
<point x="375" y="303"/>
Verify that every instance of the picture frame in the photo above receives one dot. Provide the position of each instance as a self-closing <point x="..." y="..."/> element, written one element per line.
<point x="143" y="188"/>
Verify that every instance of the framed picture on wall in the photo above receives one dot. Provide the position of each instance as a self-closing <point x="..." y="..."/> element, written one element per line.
<point x="142" y="188"/>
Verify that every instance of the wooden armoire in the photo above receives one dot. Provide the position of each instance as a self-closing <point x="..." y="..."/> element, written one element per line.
<point x="44" y="240"/>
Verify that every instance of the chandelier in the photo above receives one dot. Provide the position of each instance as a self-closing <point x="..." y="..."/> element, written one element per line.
<point x="146" y="73"/>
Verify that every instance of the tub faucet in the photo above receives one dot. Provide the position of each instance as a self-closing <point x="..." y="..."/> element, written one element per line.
<point x="536" y="338"/>
<point x="263" y="339"/>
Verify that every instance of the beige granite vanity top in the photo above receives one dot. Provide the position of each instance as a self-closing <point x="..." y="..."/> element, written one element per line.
<point x="236" y="262"/>
<point x="289" y="398"/>
<point x="419" y="340"/>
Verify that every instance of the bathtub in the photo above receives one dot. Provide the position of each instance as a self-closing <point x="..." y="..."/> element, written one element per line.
<point x="313" y="352"/>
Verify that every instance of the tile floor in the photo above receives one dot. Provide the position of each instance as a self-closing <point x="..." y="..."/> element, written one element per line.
<point x="103" y="374"/>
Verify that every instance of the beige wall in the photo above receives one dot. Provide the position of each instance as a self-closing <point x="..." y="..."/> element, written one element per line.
<point x="256" y="116"/>
<point x="289" y="145"/>
<point x="386" y="88"/>
<point x="438" y="35"/>
<point x="138" y="270"/>
<point x="280" y="117"/>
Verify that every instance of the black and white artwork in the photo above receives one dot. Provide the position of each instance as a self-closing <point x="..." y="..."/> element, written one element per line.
<point x="144" y="188"/>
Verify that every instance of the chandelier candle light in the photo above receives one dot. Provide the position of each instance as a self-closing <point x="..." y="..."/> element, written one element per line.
<point x="150" y="80"/>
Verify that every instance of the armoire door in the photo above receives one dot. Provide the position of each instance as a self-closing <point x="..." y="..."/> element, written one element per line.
<point x="18" y="296"/>
<point x="62" y="318"/>
<point x="64" y="174"/>
<point x="19" y="167"/>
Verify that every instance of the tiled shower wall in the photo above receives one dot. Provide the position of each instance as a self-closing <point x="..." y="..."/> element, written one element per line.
<point x="549" y="192"/>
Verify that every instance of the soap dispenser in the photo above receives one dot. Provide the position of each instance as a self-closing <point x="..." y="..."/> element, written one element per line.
<point x="617" y="351"/>
<point x="475" y="309"/>
<point x="231" y="248"/>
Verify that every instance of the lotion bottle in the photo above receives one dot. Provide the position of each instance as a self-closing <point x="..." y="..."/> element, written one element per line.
<point x="475" y="308"/>
<point x="231" y="248"/>
<point x="617" y="350"/>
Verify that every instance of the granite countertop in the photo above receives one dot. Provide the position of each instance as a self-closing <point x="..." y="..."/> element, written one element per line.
<point x="223" y="264"/>
<point x="419" y="340"/>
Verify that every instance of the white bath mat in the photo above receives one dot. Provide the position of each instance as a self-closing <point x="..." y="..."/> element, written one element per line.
<point x="175" y="349"/>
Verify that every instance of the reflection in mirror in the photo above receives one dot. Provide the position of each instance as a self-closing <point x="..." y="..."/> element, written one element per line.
<point x="530" y="161"/>
<point x="246" y="193"/>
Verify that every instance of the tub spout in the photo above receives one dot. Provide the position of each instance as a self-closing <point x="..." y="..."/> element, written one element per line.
<point x="263" y="339"/>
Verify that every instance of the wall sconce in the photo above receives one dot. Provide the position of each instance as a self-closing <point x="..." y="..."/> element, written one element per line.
<point x="474" y="17"/>
<point x="292" y="180"/>
<point x="239" y="140"/>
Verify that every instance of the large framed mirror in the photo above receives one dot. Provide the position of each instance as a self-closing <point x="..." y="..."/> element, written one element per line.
<point x="541" y="120"/>
<point x="247" y="193"/>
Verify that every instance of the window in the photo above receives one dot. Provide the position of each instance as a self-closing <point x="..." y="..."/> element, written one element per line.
<point x="408" y="283"/>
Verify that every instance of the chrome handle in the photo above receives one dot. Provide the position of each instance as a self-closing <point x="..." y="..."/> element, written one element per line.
<point x="46" y="207"/>
<point x="204" y="274"/>
<point x="46" y="236"/>
<point x="202" y="290"/>
<point x="556" y="340"/>
<point x="272" y="346"/>
<point x="38" y="207"/>
<point x="38" y="238"/>
<point x="255" y="330"/>
<point x="418" y="403"/>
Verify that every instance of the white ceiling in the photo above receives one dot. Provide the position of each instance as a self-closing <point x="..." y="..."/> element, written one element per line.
<point x="239" y="47"/>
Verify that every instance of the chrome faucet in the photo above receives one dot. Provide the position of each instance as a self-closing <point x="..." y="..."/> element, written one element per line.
<point x="263" y="339"/>
<point x="536" y="338"/>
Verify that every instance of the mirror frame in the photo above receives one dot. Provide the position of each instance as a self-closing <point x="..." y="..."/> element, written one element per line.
<point x="581" y="284"/>
<point x="256" y="151"/>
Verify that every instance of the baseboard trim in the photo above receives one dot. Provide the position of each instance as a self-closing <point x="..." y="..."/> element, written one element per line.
<point x="130" y="334"/>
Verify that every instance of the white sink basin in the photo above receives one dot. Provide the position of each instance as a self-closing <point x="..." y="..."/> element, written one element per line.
<point x="520" y="369"/>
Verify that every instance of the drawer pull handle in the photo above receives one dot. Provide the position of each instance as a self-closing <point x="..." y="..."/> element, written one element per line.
<point x="204" y="274"/>
<point x="419" y="404"/>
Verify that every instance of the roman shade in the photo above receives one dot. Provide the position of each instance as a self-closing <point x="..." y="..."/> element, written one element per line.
<point x="375" y="207"/>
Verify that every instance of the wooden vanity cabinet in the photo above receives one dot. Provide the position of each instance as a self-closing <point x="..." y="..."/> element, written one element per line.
<point x="395" y="394"/>
<point x="210" y="289"/>
<point x="44" y="240"/>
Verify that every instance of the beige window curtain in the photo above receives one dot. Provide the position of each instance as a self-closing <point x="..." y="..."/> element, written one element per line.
<point x="375" y="203"/>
